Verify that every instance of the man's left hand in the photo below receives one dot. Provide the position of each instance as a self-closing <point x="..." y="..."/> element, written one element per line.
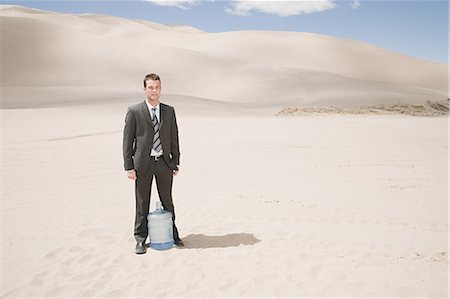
<point x="175" y="172"/>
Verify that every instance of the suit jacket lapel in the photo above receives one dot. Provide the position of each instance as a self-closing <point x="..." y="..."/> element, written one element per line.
<point x="163" y="114"/>
<point x="146" y="113"/>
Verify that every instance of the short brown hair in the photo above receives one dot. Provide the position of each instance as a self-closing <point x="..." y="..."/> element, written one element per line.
<point x="152" y="76"/>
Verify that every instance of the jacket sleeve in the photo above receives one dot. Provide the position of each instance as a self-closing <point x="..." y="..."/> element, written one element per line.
<point x="175" y="150"/>
<point x="129" y="136"/>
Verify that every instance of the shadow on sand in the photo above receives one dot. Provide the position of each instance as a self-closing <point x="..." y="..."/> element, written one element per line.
<point x="195" y="241"/>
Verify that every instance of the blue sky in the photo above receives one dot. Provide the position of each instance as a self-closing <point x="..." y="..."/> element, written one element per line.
<point x="416" y="28"/>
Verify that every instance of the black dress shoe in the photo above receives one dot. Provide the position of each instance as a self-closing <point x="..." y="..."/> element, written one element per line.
<point x="178" y="243"/>
<point x="140" y="248"/>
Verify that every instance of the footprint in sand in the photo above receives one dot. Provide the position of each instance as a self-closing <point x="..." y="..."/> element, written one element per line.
<point x="88" y="276"/>
<point x="89" y="293"/>
<point x="89" y="232"/>
<point x="54" y="254"/>
<point x="101" y="261"/>
<point x="314" y="271"/>
<point x="75" y="249"/>
<point x="339" y="276"/>
<point x="114" y="293"/>
<point x="39" y="279"/>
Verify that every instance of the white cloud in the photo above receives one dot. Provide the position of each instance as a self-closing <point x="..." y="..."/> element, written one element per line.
<point x="280" y="8"/>
<point x="355" y="4"/>
<point x="177" y="3"/>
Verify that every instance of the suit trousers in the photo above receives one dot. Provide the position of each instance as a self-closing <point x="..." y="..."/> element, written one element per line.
<point x="143" y="187"/>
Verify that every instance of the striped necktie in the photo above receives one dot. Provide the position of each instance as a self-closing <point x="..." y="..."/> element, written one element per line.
<point x="156" y="140"/>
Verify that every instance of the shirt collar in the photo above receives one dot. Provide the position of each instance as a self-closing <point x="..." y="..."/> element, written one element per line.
<point x="150" y="106"/>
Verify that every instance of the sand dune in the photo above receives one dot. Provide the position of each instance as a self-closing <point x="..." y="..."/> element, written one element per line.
<point x="259" y="68"/>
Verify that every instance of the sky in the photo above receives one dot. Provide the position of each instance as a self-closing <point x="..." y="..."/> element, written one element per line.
<point x="415" y="28"/>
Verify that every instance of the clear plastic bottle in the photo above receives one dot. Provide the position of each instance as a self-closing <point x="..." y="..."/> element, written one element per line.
<point x="160" y="228"/>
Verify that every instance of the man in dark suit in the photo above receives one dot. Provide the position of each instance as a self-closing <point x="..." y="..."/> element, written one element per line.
<point x="151" y="149"/>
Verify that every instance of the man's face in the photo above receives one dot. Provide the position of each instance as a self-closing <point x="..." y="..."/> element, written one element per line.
<point x="153" y="90"/>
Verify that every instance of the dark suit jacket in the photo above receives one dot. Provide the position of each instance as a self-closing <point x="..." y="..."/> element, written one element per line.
<point x="138" y="137"/>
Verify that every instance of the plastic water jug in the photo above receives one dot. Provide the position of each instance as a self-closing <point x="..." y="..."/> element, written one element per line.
<point x="160" y="228"/>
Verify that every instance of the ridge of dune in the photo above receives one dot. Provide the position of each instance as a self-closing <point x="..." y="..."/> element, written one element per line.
<point x="248" y="67"/>
<point x="22" y="9"/>
<point x="184" y="28"/>
<point x="77" y="21"/>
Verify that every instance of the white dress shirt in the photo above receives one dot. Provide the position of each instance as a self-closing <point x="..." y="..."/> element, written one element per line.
<point x="158" y="116"/>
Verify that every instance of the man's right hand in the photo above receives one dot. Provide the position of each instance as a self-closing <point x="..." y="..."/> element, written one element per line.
<point x="131" y="174"/>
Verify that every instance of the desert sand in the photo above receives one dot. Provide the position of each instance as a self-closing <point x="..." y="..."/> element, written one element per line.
<point x="330" y="206"/>
<point x="269" y="204"/>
